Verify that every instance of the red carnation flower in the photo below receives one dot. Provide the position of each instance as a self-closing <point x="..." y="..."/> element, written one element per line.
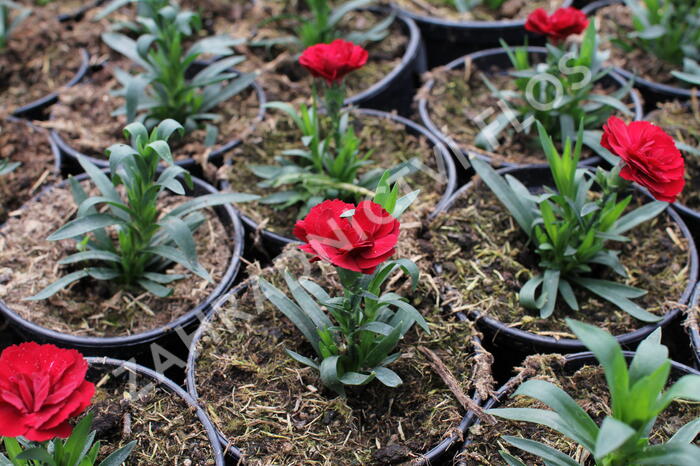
<point x="650" y="156"/>
<point x="333" y="61"/>
<point x="41" y="388"/>
<point x="357" y="242"/>
<point x="559" y="25"/>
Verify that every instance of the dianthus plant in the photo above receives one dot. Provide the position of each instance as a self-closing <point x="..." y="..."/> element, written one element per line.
<point x="638" y="395"/>
<point x="571" y="224"/>
<point x="328" y="162"/>
<point x="169" y="86"/>
<point x="558" y="93"/>
<point x="356" y="342"/>
<point x="148" y="239"/>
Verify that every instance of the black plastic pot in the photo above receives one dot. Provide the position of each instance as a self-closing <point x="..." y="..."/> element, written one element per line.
<point x="134" y="371"/>
<point x="432" y="456"/>
<point x="70" y="165"/>
<point x="525" y="343"/>
<point x="79" y="13"/>
<point x="35" y="110"/>
<point x="498" y="59"/>
<point x="395" y="91"/>
<point x="573" y="363"/>
<point x="652" y="92"/>
<point x="273" y="243"/>
<point x="169" y="336"/>
<point x="446" y="40"/>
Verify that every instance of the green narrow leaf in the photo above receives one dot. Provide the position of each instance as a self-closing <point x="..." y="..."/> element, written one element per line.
<point x="118" y="457"/>
<point x="543" y="451"/>
<point x="58" y="285"/>
<point x="612" y="435"/>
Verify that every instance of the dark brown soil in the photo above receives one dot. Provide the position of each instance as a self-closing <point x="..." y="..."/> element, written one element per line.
<point x="389" y="141"/>
<point x="30" y="146"/>
<point x="682" y="122"/>
<point x="36" y="62"/>
<point x="511" y="9"/>
<point x="587" y="386"/>
<point x="278" y="412"/>
<point x="458" y="101"/>
<point x="166" y="429"/>
<point x="480" y="251"/>
<point x="83" y="118"/>
<point x="95" y="308"/>
<point x="614" y="22"/>
<point x="282" y="76"/>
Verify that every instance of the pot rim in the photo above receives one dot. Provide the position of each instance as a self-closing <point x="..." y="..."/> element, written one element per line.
<point x="50" y="98"/>
<point x="174" y="389"/>
<point x="479" y="25"/>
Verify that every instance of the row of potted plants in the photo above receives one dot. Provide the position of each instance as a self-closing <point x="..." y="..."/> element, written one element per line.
<point x="521" y="248"/>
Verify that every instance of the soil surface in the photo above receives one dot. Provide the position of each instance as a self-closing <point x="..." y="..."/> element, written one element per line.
<point x="96" y="308"/>
<point x="481" y="253"/>
<point x="278" y="412"/>
<point x="446" y="9"/>
<point x="36" y="62"/>
<point x="84" y="118"/>
<point x="389" y="141"/>
<point x="20" y="142"/>
<point x="615" y="22"/>
<point x="682" y="122"/>
<point x="458" y="102"/>
<point x="166" y="429"/>
<point x="588" y="388"/>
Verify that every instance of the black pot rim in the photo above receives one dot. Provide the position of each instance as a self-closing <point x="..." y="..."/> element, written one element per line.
<point x="453" y="24"/>
<point x="237" y="236"/>
<point x="71" y="153"/>
<point x="694" y="332"/>
<point x="175" y="390"/>
<point x="673" y="91"/>
<point x="45" y="101"/>
<point x="572" y="345"/>
<point x="424" y="109"/>
<point x="577" y="360"/>
<point x="412" y="48"/>
<point x="56" y="170"/>
<point x="449" y="165"/>
<point x="432" y="455"/>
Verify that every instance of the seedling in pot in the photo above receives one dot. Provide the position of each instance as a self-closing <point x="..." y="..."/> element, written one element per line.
<point x="11" y="16"/>
<point x="329" y="159"/>
<point x="570" y="225"/>
<point x="164" y="90"/>
<point x="322" y="26"/>
<point x="668" y="29"/>
<point x="356" y="343"/>
<point x="43" y="388"/>
<point x="638" y="395"/>
<point x="560" y="92"/>
<point x="148" y="238"/>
